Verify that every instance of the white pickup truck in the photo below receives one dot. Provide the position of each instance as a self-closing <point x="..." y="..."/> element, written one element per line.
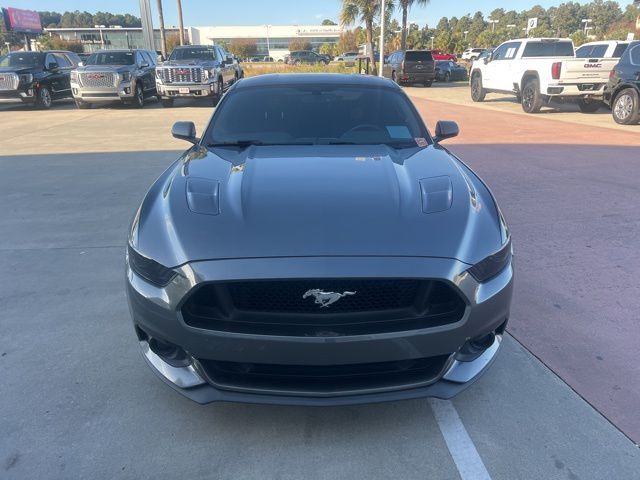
<point x="539" y="70"/>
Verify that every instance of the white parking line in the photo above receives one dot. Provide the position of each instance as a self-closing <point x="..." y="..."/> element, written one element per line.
<point x="462" y="449"/>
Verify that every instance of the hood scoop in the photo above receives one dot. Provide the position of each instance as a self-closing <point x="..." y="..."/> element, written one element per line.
<point x="203" y="196"/>
<point x="437" y="194"/>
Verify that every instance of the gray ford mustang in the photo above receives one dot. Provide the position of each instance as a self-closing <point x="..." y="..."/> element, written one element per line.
<point x="318" y="246"/>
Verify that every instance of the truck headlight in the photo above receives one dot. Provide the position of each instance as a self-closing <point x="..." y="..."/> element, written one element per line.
<point x="126" y="76"/>
<point x="26" y="78"/>
<point x="491" y="266"/>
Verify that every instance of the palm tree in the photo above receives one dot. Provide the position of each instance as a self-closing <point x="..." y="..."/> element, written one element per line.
<point x="363" y="11"/>
<point x="405" y="5"/>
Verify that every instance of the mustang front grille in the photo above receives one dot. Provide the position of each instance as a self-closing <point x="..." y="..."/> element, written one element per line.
<point x="323" y="307"/>
<point x="325" y="379"/>
<point x="8" y="81"/>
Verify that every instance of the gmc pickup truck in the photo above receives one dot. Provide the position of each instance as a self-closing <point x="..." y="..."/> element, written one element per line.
<point x="541" y="70"/>
<point x="196" y="71"/>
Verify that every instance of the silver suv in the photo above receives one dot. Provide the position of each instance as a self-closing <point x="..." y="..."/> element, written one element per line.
<point x="115" y="75"/>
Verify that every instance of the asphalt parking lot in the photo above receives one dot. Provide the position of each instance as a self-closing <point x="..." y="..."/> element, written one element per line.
<point x="78" y="401"/>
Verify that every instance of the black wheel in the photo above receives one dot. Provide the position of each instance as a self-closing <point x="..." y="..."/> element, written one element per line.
<point x="589" y="106"/>
<point x="138" y="98"/>
<point x="166" y="102"/>
<point x="296" y="62"/>
<point x="393" y="77"/>
<point x="447" y="77"/>
<point x="532" y="99"/>
<point x="626" y="107"/>
<point x="428" y="84"/>
<point x="477" y="92"/>
<point x="219" y="92"/>
<point x="43" y="98"/>
<point x="82" y="105"/>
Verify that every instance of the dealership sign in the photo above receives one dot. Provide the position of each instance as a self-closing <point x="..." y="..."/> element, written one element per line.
<point x="22" y="21"/>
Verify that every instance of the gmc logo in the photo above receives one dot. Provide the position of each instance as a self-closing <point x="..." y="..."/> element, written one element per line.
<point x="95" y="76"/>
<point x="592" y="65"/>
<point x="182" y="71"/>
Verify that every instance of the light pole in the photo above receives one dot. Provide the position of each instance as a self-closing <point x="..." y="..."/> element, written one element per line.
<point x="381" y="65"/>
<point x="180" y="23"/>
<point x="432" y="38"/>
<point x="493" y="24"/>
<point x="8" y="47"/>
<point x="465" y="34"/>
<point x="268" y="46"/>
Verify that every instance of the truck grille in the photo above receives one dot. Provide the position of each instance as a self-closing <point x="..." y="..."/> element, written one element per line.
<point x="289" y="307"/>
<point x="181" y="74"/>
<point x="8" y="81"/>
<point x="97" y="79"/>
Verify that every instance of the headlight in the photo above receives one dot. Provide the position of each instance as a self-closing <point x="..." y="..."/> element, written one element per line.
<point x="74" y="76"/>
<point x="492" y="265"/>
<point x="26" y="78"/>
<point x="126" y="76"/>
<point x="149" y="269"/>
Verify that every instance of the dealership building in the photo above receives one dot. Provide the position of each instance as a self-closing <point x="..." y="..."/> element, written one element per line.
<point x="270" y="40"/>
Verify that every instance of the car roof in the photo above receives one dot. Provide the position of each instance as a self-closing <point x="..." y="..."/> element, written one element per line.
<point x="314" y="79"/>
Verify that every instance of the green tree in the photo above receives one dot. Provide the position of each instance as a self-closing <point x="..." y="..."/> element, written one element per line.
<point x="579" y="38"/>
<point x="364" y="11"/>
<point x="328" y="49"/>
<point x="299" y="44"/>
<point x="243" y="48"/>
<point x="405" y="5"/>
<point x="348" y="42"/>
<point x="328" y="21"/>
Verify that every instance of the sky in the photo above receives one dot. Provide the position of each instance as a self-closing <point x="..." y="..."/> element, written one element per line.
<point x="274" y="12"/>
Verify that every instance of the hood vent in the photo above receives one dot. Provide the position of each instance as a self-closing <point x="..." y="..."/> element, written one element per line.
<point x="437" y="194"/>
<point x="203" y="196"/>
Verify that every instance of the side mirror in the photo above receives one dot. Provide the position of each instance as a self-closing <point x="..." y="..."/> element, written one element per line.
<point x="81" y="63"/>
<point x="52" y="66"/>
<point x="184" y="131"/>
<point x="144" y="65"/>
<point x="487" y="59"/>
<point x="446" y="129"/>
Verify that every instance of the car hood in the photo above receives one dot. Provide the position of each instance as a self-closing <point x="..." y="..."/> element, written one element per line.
<point x="106" y="68"/>
<point x="298" y="201"/>
<point x="194" y="62"/>
<point x="20" y="70"/>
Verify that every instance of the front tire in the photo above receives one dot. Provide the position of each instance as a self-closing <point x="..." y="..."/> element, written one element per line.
<point x="219" y="92"/>
<point x="532" y="99"/>
<point x="589" y="106"/>
<point x="43" y="100"/>
<point x="428" y="84"/>
<point x="626" y="107"/>
<point x="477" y="92"/>
<point x="138" y="99"/>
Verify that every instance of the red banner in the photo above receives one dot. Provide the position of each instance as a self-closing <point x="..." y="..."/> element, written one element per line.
<point x="24" y="21"/>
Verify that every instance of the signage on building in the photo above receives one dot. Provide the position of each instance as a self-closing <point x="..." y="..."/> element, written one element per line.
<point x="22" y="21"/>
<point x="319" y="31"/>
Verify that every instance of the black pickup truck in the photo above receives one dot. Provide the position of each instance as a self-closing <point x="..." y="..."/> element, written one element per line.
<point x="36" y="77"/>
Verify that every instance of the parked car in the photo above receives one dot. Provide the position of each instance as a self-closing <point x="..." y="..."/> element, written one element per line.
<point x="347" y="57"/>
<point x="410" y="67"/>
<point x="602" y="49"/>
<point x="267" y="58"/>
<point x="442" y="55"/>
<point x="127" y="76"/>
<point x="622" y="92"/>
<point x="83" y="56"/>
<point x="265" y="265"/>
<point x="306" y="56"/>
<point x="472" y="53"/>
<point x="448" y="70"/>
<point x="37" y="78"/>
<point x="196" y="71"/>
<point x="540" y="70"/>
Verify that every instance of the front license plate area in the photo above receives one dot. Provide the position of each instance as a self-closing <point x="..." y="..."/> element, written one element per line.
<point x="183" y="90"/>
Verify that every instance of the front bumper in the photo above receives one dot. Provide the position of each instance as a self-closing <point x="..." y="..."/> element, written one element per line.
<point x="19" y="95"/>
<point x="123" y="92"/>
<point x="194" y="90"/>
<point x="156" y="313"/>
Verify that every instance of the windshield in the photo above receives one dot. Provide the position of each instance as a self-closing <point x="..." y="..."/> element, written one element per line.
<point x="316" y="114"/>
<point x="193" y="54"/>
<point x="22" y="59"/>
<point x="111" y="58"/>
<point x="548" y="49"/>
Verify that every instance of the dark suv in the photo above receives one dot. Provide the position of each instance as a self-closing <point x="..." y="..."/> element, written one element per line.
<point x="306" y="56"/>
<point x="622" y="93"/>
<point x="411" y="67"/>
<point x="127" y="76"/>
<point x="36" y="77"/>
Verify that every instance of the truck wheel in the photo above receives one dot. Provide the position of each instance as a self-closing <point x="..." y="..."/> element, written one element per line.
<point x="531" y="98"/>
<point x="626" y="107"/>
<point x="82" y="105"/>
<point x="477" y="92"/>
<point x="166" y="102"/>
<point x="138" y="99"/>
<point x="43" y="98"/>
<point x="428" y="84"/>
<point x="589" y="106"/>
<point x="219" y="92"/>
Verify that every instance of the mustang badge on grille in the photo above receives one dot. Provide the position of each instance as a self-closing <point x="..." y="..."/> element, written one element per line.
<point x="324" y="299"/>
